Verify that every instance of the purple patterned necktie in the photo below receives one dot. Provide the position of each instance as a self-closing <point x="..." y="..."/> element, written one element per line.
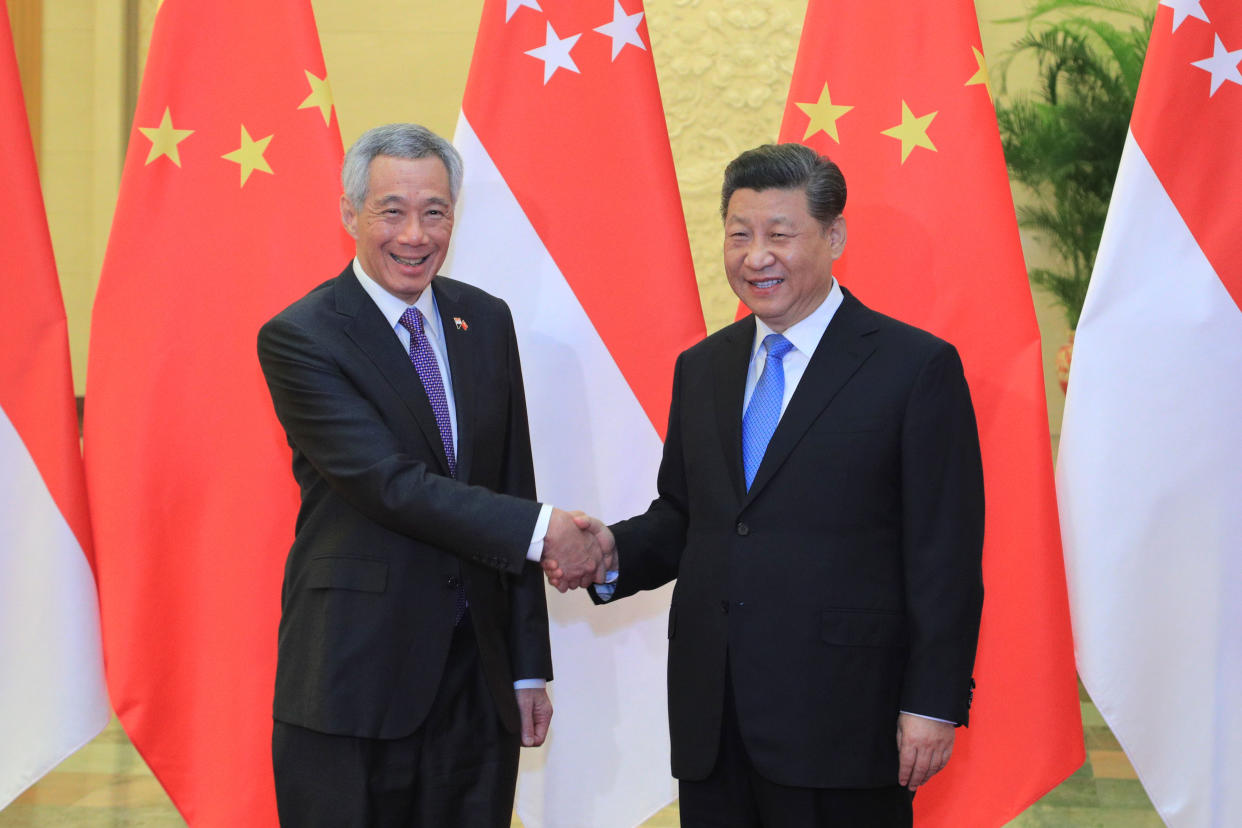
<point x="424" y="360"/>
<point x="428" y="369"/>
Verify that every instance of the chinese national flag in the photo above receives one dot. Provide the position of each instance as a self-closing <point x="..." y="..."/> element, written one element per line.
<point x="1150" y="469"/>
<point x="570" y="212"/>
<point x="897" y="94"/>
<point x="52" y="697"/>
<point x="227" y="213"/>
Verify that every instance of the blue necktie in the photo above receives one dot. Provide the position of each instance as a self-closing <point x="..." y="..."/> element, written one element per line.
<point x="428" y="369"/>
<point x="764" y="411"/>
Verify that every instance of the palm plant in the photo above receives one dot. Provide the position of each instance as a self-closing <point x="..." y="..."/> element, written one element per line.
<point x="1064" y="143"/>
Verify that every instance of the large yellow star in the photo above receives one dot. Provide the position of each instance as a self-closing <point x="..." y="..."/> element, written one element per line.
<point x="320" y="96"/>
<point x="250" y="155"/>
<point x="164" y="139"/>
<point x="980" y="76"/>
<point x="823" y="114"/>
<point x="912" y="131"/>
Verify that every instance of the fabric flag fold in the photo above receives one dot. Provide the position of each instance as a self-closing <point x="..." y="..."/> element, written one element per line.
<point x="227" y="213"/>
<point x="570" y="212"/>
<point x="1150" y="465"/>
<point x="52" y="695"/>
<point x="897" y="94"/>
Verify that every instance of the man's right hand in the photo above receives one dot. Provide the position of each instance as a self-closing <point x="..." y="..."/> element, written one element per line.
<point x="572" y="556"/>
<point x="603" y="535"/>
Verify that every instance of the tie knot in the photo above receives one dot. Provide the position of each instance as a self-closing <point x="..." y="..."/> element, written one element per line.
<point x="777" y="346"/>
<point x="412" y="321"/>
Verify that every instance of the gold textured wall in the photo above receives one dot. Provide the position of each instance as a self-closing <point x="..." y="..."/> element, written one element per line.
<point x="724" y="69"/>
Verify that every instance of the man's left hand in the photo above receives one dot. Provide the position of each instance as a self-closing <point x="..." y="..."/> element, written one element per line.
<point x="923" y="747"/>
<point x="536" y="709"/>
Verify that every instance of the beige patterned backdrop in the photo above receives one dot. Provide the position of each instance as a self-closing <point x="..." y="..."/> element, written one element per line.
<point x="724" y="69"/>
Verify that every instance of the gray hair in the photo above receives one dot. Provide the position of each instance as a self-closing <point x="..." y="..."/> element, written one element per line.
<point x="396" y="141"/>
<point x="788" y="167"/>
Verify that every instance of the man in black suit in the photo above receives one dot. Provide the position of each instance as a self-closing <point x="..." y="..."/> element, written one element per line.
<point x="413" y="644"/>
<point x="821" y="507"/>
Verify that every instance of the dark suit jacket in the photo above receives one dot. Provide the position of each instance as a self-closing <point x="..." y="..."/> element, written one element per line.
<point x="845" y="586"/>
<point x="384" y="534"/>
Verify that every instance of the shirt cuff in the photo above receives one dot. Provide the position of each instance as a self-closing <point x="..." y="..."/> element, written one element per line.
<point x="933" y="718"/>
<point x="530" y="684"/>
<point x="605" y="590"/>
<point x="535" y="551"/>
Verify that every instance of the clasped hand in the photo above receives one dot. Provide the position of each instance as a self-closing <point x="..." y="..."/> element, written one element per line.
<point x="577" y="550"/>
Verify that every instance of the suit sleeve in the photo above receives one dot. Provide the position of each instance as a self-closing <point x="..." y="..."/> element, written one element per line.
<point x="649" y="546"/>
<point x="530" y="651"/>
<point x="942" y="497"/>
<point x="345" y="438"/>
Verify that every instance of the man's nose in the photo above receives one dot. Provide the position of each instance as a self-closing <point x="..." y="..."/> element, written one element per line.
<point x="411" y="231"/>
<point x="758" y="256"/>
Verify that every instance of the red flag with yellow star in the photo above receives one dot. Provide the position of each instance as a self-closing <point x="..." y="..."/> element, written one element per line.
<point x="227" y="213"/>
<point x="897" y="94"/>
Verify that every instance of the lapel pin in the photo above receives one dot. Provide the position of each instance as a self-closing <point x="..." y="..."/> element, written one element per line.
<point x="460" y="323"/>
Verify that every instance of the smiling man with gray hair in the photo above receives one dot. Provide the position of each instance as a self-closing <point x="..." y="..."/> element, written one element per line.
<point x="413" y="647"/>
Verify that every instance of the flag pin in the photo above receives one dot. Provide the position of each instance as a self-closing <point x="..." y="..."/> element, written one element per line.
<point x="460" y="323"/>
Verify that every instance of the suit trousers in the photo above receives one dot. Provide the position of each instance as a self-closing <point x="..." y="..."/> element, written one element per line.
<point x="735" y="795"/>
<point x="458" y="769"/>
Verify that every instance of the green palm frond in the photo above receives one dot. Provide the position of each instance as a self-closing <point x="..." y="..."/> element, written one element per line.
<point x="1064" y="142"/>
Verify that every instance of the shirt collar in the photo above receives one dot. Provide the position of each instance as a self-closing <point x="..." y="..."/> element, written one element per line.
<point x="393" y="307"/>
<point x="805" y="334"/>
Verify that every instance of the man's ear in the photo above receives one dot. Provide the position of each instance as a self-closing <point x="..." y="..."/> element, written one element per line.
<point x="349" y="216"/>
<point x="836" y="236"/>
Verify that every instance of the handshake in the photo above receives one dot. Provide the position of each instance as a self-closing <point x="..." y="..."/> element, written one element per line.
<point x="577" y="550"/>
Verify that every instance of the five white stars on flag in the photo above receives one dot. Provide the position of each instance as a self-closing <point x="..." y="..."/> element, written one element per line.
<point x="555" y="51"/>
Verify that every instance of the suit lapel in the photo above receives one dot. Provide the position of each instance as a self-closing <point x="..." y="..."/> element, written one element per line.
<point x="729" y="374"/>
<point x="461" y="349"/>
<point x="369" y="330"/>
<point x="840" y="353"/>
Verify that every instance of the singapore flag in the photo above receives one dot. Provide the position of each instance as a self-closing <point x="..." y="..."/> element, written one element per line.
<point x="570" y="212"/>
<point x="1150" y="471"/>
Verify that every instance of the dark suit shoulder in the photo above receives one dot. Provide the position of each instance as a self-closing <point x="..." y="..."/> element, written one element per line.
<point x="900" y="334"/>
<point x="477" y="299"/>
<point x="742" y="330"/>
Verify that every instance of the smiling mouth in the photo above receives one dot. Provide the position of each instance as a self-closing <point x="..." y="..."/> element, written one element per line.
<point x="766" y="283"/>
<point x="409" y="262"/>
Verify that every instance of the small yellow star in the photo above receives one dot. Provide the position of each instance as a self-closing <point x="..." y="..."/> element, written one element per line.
<point x="981" y="76"/>
<point x="823" y="114"/>
<point x="250" y="155"/>
<point x="912" y="131"/>
<point x="320" y="96"/>
<point x="164" y="139"/>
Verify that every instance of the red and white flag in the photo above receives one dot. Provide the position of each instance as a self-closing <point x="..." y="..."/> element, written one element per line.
<point x="52" y="697"/>
<point x="570" y="212"/>
<point x="227" y="213"/>
<point x="1150" y="468"/>
<point x="897" y="94"/>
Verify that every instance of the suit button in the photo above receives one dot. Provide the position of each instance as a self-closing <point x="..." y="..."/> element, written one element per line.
<point x="742" y="529"/>
<point x="452" y="582"/>
<point x="724" y="606"/>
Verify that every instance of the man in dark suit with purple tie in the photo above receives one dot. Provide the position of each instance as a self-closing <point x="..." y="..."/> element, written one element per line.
<point x="413" y="644"/>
